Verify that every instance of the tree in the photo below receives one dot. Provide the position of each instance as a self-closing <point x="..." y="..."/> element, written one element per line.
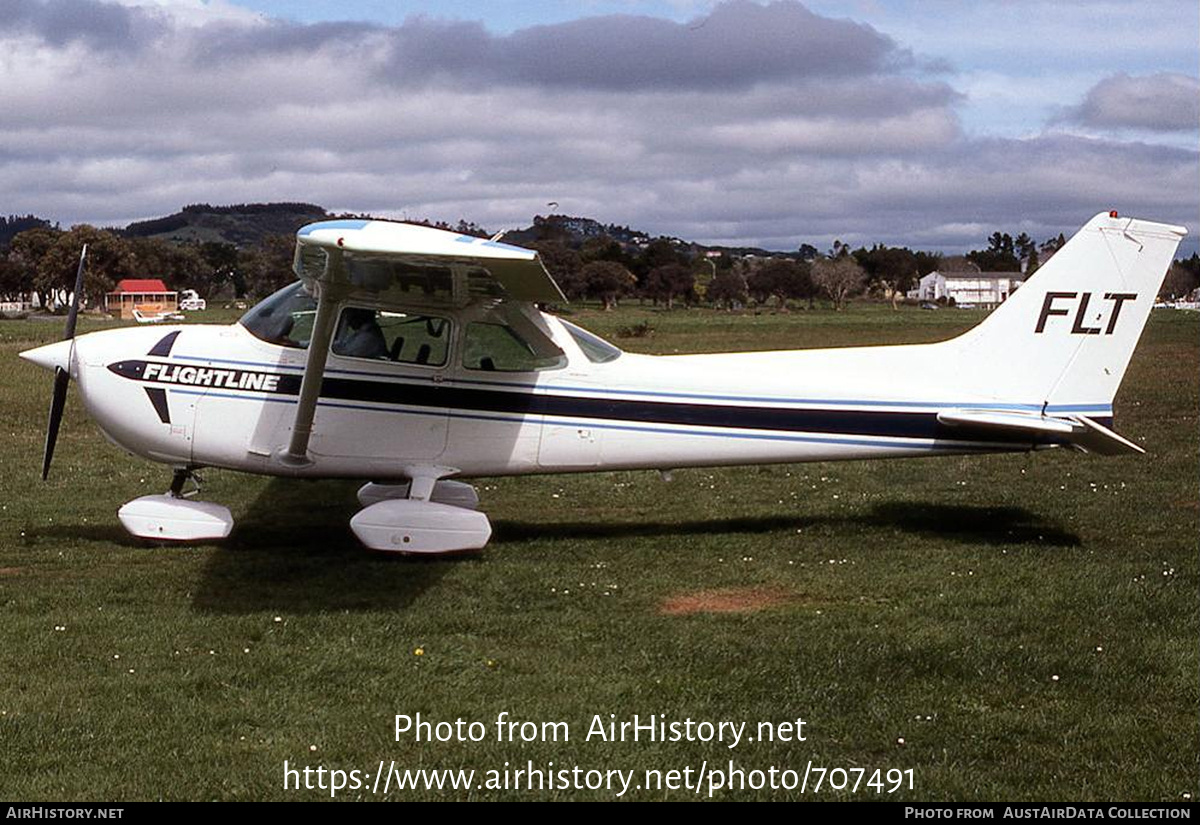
<point x="1191" y="265"/>
<point x="221" y="260"/>
<point x="1000" y="256"/>
<point x="665" y="283"/>
<point x="1024" y="246"/>
<point x="109" y="259"/>
<point x="13" y="225"/>
<point x="603" y="248"/>
<point x="728" y="289"/>
<point x="890" y="270"/>
<point x="781" y="278"/>
<point x="608" y="281"/>
<point x="178" y="266"/>
<point x="1032" y="263"/>
<point x="658" y="253"/>
<point x="12" y="284"/>
<point x="928" y="262"/>
<point x="839" y="278"/>
<point x="26" y="253"/>
<point x="1049" y="247"/>
<point x="564" y="265"/>
<point x="1182" y="278"/>
<point x="268" y="267"/>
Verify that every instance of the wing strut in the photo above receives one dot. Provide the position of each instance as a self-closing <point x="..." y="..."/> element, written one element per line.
<point x="329" y="295"/>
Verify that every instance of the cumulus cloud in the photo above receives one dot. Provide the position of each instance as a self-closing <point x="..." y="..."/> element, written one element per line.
<point x="98" y="25"/>
<point x="761" y="124"/>
<point x="739" y="44"/>
<point x="1164" y="102"/>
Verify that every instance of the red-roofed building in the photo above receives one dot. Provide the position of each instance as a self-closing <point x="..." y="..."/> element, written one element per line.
<point x="147" y="295"/>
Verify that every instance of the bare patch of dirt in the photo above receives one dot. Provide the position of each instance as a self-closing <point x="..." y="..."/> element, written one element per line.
<point x="10" y="571"/>
<point x="726" y="600"/>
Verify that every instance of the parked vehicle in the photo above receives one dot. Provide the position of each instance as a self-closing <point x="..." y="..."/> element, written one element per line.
<point x="190" y="301"/>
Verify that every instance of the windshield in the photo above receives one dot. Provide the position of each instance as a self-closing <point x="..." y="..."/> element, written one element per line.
<point x="597" y="350"/>
<point x="285" y="318"/>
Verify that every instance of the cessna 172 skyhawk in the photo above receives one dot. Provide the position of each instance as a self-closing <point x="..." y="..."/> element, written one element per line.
<point x="408" y="356"/>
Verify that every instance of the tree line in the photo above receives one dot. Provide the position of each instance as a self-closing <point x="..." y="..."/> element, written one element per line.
<point x="669" y="272"/>
<point x="40" y="259"/>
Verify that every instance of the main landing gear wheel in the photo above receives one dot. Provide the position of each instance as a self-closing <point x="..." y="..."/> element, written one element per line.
<point x="446" y="522"/>
<point x="173" y="517"/>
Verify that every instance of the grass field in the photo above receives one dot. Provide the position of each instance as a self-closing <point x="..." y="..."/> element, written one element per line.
<point x="1009" y="628"/>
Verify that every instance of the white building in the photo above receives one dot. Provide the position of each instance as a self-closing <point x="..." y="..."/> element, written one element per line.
<point x="980" y="289"/>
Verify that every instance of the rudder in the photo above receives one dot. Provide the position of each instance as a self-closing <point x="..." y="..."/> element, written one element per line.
<point x="1065" y="338"/>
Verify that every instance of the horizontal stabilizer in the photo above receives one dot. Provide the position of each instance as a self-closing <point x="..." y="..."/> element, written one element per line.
<point x="1077" y="431"/>
<point x="1013" y="422"/>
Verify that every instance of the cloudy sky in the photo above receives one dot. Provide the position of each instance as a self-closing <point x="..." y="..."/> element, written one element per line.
<point x="928" y="123"/>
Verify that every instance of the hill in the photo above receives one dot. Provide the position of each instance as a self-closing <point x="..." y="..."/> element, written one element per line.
<point x="248" y="224"/>
<point x="16" y="224"/>
<point x="573" y="231"/>
<point x="244" y="224"/>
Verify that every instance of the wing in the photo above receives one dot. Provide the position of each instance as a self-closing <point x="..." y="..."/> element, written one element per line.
<point x="431" y="265"/>
<point x="404" y="263"/>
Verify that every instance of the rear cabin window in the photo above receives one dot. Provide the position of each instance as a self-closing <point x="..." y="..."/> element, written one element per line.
<point x="498" y="348"/>
<point x="400" y="337"/>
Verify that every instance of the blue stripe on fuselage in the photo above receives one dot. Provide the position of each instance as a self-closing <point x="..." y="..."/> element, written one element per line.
<point x="819" y="423"/>
<point x="1103" y="409"/>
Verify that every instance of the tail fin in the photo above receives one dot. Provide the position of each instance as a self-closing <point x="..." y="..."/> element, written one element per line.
<point x="1064" y="339"/>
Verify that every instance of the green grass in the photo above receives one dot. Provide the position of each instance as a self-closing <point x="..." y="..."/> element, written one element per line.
<point x="933" y="601"/>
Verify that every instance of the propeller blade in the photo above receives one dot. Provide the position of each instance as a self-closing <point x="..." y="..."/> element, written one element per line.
<point x="73" y="313"/>
<point x="62" y="377"/>
<point x="57" y="403"/>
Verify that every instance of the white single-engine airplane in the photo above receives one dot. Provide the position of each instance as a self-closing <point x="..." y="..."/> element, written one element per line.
<point x="407" y="356"/>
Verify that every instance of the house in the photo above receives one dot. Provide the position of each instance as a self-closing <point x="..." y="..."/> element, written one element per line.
<point x="147" y="295"/>
<point x="979" y="289"/>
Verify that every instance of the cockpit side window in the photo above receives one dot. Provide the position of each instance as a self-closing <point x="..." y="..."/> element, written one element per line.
<point x="285" y="318"/>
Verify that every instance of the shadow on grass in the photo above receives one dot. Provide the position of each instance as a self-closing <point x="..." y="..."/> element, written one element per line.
<point x="976" y="525"/>
<point x="109" y="533"/>
<point x="292" y="551"/>
<point x="504" y="531"/>
<point x="970" y="525"/>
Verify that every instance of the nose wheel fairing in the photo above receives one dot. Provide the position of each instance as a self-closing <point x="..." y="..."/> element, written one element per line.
<point x="167" y="518"/>
<point x="173" y="516"/>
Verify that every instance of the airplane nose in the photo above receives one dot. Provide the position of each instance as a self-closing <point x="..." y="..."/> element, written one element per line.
<point x="50" y="356"/>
